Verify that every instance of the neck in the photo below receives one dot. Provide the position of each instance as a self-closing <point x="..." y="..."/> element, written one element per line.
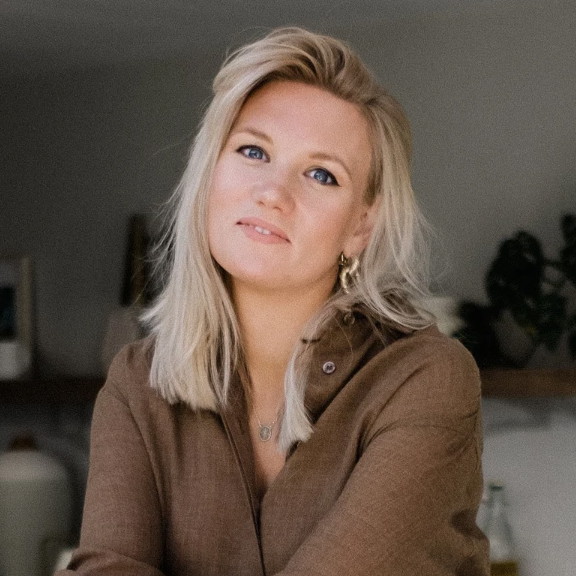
<point x="270" y="326"/>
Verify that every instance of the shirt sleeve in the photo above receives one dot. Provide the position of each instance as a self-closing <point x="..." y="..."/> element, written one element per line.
<point x="409" y="506"/>
<point x="121" y="526"/>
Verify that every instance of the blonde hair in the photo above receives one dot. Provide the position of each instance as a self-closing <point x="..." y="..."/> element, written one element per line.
<point x="197" y="344"/>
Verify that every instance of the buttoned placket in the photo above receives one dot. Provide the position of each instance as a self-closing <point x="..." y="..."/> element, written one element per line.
<point x="234" y="418"/>
<point x="323" y="354"/>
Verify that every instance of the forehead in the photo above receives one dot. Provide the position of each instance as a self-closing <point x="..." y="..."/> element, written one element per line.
<point x="297" y="106"/>
<point x="309" y="119"/>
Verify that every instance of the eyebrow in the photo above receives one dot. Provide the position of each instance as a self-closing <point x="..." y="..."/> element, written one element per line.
<point x="253" y="131"/>
<point x="315" y="156"/>
<point x="333" y="158"/>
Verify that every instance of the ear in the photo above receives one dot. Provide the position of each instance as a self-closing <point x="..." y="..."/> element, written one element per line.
<point x="361" y="234"/>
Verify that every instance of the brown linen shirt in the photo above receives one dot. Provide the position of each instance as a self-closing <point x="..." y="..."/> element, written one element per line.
<point x="388" y="484"/>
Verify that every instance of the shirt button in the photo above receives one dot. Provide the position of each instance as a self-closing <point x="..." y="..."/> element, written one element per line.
<point x="328" y="367"/>
<point x="349" y="319"/>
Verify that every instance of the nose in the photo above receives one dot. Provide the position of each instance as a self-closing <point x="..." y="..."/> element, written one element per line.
<point x="277" y="190"/>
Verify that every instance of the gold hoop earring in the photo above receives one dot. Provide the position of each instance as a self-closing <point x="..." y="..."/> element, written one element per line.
<point x="349" y="271"/>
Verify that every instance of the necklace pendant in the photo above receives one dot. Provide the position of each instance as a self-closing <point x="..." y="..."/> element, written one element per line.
<point x="265" y="432"/>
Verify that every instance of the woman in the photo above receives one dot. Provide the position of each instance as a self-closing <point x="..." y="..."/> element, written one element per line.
<point x="293" y="412"/>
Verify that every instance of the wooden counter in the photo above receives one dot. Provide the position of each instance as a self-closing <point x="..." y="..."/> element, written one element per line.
<point x="531" y="383"/>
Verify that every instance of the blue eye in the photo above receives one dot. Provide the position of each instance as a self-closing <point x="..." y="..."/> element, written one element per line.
<point x="252" y="152"/>
<point x="324" y="177"/>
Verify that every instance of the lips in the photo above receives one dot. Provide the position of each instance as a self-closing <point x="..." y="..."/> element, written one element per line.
<point x="263" y="228"/>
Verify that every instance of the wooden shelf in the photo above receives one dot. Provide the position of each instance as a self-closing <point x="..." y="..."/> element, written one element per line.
<point x="65" y="390"/>
<point x="530" y="383"/>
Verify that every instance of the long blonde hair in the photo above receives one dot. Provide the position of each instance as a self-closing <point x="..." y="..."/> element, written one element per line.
<point x="197" y="344"/>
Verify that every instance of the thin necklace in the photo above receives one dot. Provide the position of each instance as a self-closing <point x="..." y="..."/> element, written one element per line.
<point x="265" y="430"/>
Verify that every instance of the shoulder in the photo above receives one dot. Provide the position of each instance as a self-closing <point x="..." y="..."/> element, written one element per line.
<point x="412" y="350"/>
<point x="426" y="369"/>
<point x="127" y="398"/>
<point x="430" y="349"/>
<point x="129" y="374"/>
<point x="389" y="356"/>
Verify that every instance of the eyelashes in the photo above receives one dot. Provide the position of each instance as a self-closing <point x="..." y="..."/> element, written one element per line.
<point x="253" y="152"/>
<point x="323" y="176"/>
<point x="320" y="175"/>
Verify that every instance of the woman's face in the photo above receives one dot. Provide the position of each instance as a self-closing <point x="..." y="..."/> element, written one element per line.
<point x="288" y="190"/>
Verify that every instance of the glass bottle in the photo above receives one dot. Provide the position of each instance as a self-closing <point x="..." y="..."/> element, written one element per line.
<point x="503" y="556"/>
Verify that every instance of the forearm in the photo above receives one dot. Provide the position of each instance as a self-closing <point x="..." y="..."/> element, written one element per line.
<point x="401" y="517"/>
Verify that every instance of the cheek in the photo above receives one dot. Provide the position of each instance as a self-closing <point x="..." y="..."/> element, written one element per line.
<point x="343" y="221"/>
<point x="212" y="211"/>
<point x="220" y="195"/>
<point x="215" y="216"/>
<point x="348" y="234"/>
<point x="227" y="185"/>
<point x="329" y="233"/>
<point x="214" y="193"/>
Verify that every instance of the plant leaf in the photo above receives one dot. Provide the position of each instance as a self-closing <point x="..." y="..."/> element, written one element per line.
<point x="568" y="253"/>
<point x="568" y="226"/>
<point x="515" y="277"/>
<point x="551" y="321"/>
<point x="572" y="344"/>
<point x="568" y="259"/>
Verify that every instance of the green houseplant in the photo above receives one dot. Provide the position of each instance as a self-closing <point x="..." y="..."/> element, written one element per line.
<point x="534" y="289"/>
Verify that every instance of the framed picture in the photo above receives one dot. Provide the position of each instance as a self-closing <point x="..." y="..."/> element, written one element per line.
<point x="16" y="303"/>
